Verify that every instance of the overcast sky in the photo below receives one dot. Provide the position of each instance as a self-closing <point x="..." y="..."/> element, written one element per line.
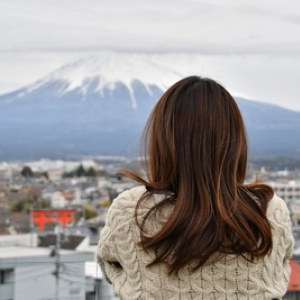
<point x="252" y="47"/>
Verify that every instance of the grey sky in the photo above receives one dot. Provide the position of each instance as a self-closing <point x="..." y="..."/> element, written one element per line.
<point x="251" y="46"/>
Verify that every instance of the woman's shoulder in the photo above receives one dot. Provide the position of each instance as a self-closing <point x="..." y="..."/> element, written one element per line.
<point x="128" y="199"/>
<point x="277" y="210"/>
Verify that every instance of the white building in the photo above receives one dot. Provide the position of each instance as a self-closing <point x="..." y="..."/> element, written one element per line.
<point x="29" y="273"/>
<point x="290" y="192"/>
<point x="104" y="183"/>
<point x="54" y="174"/>
<point x="59" y="199"/>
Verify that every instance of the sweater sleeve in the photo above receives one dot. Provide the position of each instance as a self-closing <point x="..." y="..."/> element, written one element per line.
<point x="284" y="236"/>
<point x="288" y="236"/>
<point x="116" y="253"/>
<point x="108" y="255"/>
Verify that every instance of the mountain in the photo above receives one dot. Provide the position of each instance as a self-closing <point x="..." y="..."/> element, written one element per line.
<point x="272" y="130"/>
<point x="99" y="105"/>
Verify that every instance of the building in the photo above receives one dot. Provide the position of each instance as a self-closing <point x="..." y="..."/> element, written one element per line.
<point x="30" y="268"/>
<point x="54" y="174"/>
<point x="290" y="192"/>
<point x="97" y="288"/>
<point x="34" y="273"/>
<point x="60" y="199"/>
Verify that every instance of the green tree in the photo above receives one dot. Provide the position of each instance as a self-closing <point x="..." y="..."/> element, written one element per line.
<point x="18" y="206"/>
<point x="43" y="204"/>
<point x="91" y="172"/>
<point x="27" y="172"/>
<point x="89" y="212"/>
<point x="80" y="171"/>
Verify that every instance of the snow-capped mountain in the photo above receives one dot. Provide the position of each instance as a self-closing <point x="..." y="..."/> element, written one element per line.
<point x="99" y="105"/>
<point x="102" y="74"/>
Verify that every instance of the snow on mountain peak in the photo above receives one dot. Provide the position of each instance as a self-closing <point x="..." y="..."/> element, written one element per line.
<point x="101" y="73"/>
<point x="109" y="69"/>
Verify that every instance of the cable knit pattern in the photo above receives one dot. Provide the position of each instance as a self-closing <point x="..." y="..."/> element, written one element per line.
<point x="124" y="263"/>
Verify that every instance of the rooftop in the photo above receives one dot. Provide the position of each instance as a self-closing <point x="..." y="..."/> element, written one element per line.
<point x="25" y="252"/>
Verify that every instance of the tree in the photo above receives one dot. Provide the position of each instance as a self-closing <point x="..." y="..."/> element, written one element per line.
<point x="80" y="171"/>
<point x="19" y="206"/>
<point x="45" y="174"/>
<point x="89" y="212"/>
<point x="27" y="172"/>
<point x="91" y="172"/>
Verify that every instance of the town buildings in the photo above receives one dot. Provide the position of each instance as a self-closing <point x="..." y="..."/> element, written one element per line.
<point x="56" y="186"/>
<point x="31" y="272"/>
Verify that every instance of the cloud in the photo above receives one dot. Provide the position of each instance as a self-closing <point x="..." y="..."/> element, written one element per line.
<point x="240" y="49"/>
<point x="193" y="26"/>
<point x="251" y="46"/>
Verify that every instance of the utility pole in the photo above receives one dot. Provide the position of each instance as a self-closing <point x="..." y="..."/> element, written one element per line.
<point x="83" y="215"/>
<point x="31" y="227"/>
<point x="57" y="260"/>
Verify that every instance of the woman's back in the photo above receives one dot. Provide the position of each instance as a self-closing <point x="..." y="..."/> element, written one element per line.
<point x="197" y="231"/>
<point x="231" y="277"/>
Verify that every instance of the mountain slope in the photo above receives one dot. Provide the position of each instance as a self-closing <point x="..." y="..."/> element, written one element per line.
<point x="100" y="105"/>
<point x="272" y="130"/>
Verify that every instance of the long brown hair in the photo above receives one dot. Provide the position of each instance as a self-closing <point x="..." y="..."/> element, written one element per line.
<point x="196" y="155"/>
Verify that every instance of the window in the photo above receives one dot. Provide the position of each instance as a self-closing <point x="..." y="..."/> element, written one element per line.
<point x="6" y="276"/>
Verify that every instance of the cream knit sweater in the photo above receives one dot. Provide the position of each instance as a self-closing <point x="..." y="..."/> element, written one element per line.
<point x="124" y="263"/>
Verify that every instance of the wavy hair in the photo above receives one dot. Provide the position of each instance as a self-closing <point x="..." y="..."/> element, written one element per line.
<point x="196" y="155"/>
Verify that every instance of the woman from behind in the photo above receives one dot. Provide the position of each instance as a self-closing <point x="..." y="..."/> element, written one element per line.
<point x="194" y="229"/>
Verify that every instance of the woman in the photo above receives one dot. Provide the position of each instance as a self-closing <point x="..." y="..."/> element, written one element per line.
<point x="194" y="229"/>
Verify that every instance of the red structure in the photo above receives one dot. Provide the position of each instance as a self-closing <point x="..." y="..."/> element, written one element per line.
<point x="41" y="217"/>
<point x="293" y="289"/>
